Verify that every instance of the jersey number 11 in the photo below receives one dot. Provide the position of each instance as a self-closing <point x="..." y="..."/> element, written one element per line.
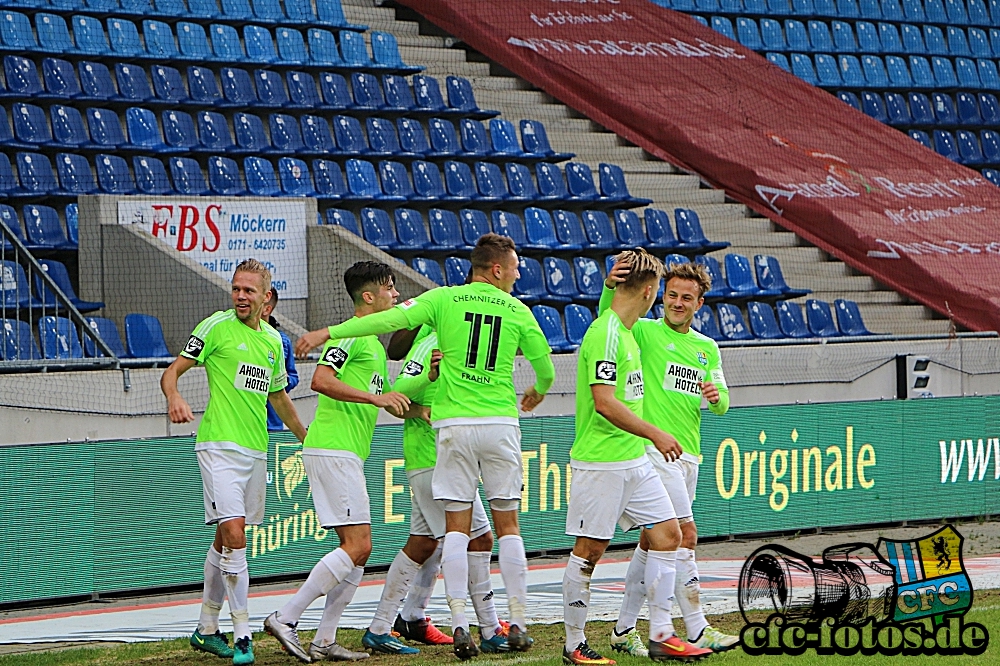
<point x="477" y="321"/>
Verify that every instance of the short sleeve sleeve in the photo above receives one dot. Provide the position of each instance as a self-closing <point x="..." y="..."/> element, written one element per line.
<point x="336" y="353"/>
<point x="202" y="342"/>
<point x="600" y="360"/>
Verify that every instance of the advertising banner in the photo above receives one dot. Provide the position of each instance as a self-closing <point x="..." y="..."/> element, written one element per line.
<point x="220" y="233"/>
<point x="862" y="191"/>
<point x="764" y="469"/>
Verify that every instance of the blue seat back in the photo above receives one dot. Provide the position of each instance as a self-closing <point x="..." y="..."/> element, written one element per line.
<point x="202" y="86"/>
<point x="519" y="181"/>
<point x="30" y="124"/>
<point x="849" y="318"/>
<point x="302" y="89"/>
<point x="578" y="320"/>
<point x="192" y="40"/>
<point x="237" y="9"/>
<point x="612" y="180"/>
<point x="113" y="175"/>
<point x="349" y="135"/>
<point x="473" y="136"/>
<point x="689" y="229"/>
<point x="60" y="78"/>
<point x="259" y="44"/>
<point x="550" y="322"/>
<point x="559" y="277"/>
<point x="270" y="89"/>
<point x="539" y="227"/>
<point x="589" y="278"/>
<point x="534" y="138"/>
<point x="237" y="87"/>
<point x="316" y="134"/>
<point x="395" y="179"/>
<point x="509" y="224"/>
<point x="763" y="324"/>
<point x="213" y="131"/>
<point x="460" y="94"/>
<point x="531" y="284"/>
<point x="353" y="49"/>
<point x="151" y="176"/>
<point x="551" y="183"/>
<point x="474" y="225"/>
<point x="769" y="275"/>
<point x="458" y="180"/>
<point x="385" y="49"/>
<point x="598" y="229"/>
<point x="630" y="231"/>
<point x="226" y="43"/>
<point x="144" y="337"/>
<point x="410" y="228"/>
<point x="285" y="133"/>
<point x="16" y="32"/>
<point x="704" y="322"/>
<point x="35" y="172"/>
<point x="376" y="225"/>
<point x="106" y="330"/>
<point x="490" y="181"/>
<point x="295" y="178"/>
<point x="569" y="231"/>
<point x="739" y="275"/>
<point x="820" y="319"/>
<point x="168" y="84"/>
<point x="430" y="269"/>
<point x="41" y="223"/>
<point x="133" y="85"/>
<point x="503" y="137"/>
<point x="72" y="214"/>
<point x="187" y="176"/>
<point x="143" y="128"/>
<point x="159" y="39"/>
<point x="362" y="181"/>
<point x="367" y="91"/>
<point x="427" y="94"/>
<point x="88" y="33"/>
<point x="59" y="338"/>
<point x="412" y="137"/>
<point x="22" y="76"/>
<point x="291" y="45"/>
<point x="580" y="181"/>
<point x="261" y="177"/>
<point x="178" y="130"/>
<point x="18" y="343"/>
<point x="53" y="34"/>
<point x="397" y="92"/>
<point x="443" y="137"/>
<point x="224" y="177"/>
<point x="456" y="270"/>
<point x="343" y="218"/>
<point x="57" y="271"/>
<point x="659" y="229"/>
<point x="329" y="179"/>
<point x="323" y="47"/>
<point x="731" y="323"/>
<point x="445" y="229"/>
<point x="427" y="181"/>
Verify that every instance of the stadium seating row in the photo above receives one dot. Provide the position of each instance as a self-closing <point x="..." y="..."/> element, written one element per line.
<point x="325" y="12"/>
<point x="863" y="37"/>
<point x="286" y="46"/>
<point x="264" y="89"/>
<point x="61" y="340"/>
<point x="917" y="109"/>
<point x="177" y="131"/>
<point x="560" y="230"/>
<point x="17" y="292"/>
<point x="974" y="12"/>
<point x="35" y="177"/>
<point x="963" y="146"/>
<point x="44" y="231"/>
<point x="870" y="71"/>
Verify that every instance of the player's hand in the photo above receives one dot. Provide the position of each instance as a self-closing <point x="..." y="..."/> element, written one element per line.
<point x="425" y="414"/>
<point x="179" y="410"/>
<point x="667" y="445"/>
<point x="393" y="402"/>
<point x="310" y="341"/>
<point x="435" y="370"/>
<point x="531" y="399"/>
<point x="710" y="392"/>
<point x="617" y="274"/>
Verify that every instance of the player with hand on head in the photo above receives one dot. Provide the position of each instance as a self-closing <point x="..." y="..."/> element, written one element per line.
<point x="681" y="366"/>
<point x="613" y="478"/>
<point x="350" y="377"/>
<point x="414" y="570"/>
<point x="245" y="365"/>
<point x="480" y="327"/>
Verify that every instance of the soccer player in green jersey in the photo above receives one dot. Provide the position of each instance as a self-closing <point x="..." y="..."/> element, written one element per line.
<point x="243" y="359"/>
<point x="613" y="479"/>
<point x="480" y="327"/>
<point x="681" y="366"/>
<point x="350" y="377"/>
<point x="416" y="566"/>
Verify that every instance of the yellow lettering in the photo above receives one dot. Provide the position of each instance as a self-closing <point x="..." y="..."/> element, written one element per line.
<point x="526" y="479"/>
<point x="258" y="536"/>
<point x="835" y="471"/>
<point x="309" y="523"/>
<point x="569" y="480"/>
<point x="748" y="460"/>
<point x="392" y="488"/>
<point x="813" y="454"/>
<point x="795" y="471"/>
<point x="762" y="474"/>
<point x="545" y="470"/>
<point x="866" y="458"/>
<point x="850" y="457"/>
<point x="728" y="444"/>
<point x="777" y="472"/>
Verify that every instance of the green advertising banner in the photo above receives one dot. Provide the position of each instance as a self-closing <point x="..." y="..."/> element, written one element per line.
<point x="128" y="514"/>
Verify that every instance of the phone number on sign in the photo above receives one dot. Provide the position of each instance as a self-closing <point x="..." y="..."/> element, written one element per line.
<point x="258" y="244"/>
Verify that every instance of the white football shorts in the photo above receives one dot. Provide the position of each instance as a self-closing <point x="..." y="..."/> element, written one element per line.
<point x="339" y="491"/>
<point x="680" y="478"/>
<point x="601" y="498"/>
<point x="427" y="515"/>
<point x="466" y="453"/>
<point x="235" y="485"/>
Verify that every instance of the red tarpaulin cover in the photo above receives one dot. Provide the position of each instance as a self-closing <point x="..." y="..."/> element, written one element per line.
<point x="864" y="192"/>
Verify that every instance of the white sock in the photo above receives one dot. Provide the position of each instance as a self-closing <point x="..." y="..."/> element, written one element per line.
<point x="455" y="566"/>
<point x="236" y="574"/>
<point x="481" y="591"/>
<point x="661" y="573"/>
<point x="422" y="588"/>
<point x="213" y="595"/>
<point x="576" y="600"/>
<point x="336" y="601"/>
<point x="397" y="584"/>
<point x="514" y="569"/>
<point x="326" y="575"/>
<point x="635" y="592"/>
<point x="687" y="590"/>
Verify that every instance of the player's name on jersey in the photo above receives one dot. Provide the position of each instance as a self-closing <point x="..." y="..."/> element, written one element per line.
<point x="479" y="379"/>
<point x="683" y="379"/>
<point x="254" y="378"/>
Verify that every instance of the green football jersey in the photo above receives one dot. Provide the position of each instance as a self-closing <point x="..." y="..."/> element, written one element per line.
<point x="349" y="426"/>
<point x="608" y="355"/>
<point x="243" y="367"/>
<point x="480" y="329"/>
<point x="674" y="364"/>
<point x="419" y="439"/>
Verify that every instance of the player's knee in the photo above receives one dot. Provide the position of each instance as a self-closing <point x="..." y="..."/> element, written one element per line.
<point x="689" y="533"/>
<point x="360" y="551"/>
<point x="233" y="534"/>
<point x="419" y="548"/>
<point x="665" y="536"/>
<point x="482" y="543"/>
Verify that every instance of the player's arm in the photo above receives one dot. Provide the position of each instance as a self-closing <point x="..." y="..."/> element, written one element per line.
<point x="535" y="348"/>
<point x="417" y="376"/>
<point x="286" y="411"/>
<point x="291" y="370"/>
<point x="623" y="418"/>
<point x="325" y="381"/>
<point x="615" y="277"/>
<point x="716" y="391"/>
<point x="399" y="317"/>
<point x="178" y="409"/>
<point x="400" y="343"/>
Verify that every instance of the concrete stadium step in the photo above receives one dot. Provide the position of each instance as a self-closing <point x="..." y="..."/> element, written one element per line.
<point x="885" y="297"/>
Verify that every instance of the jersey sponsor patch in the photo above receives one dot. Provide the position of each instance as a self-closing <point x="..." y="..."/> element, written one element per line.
<point x="683" y="379"/>
<point x="413" y="368"/>
<point x="253" y="378"/>
<point x="194" y="346"/>
<point x="607" y="371"/>
<point x="633" y="386"/>
<point x="702" y="358"/>
<point x="375" y="385"/>
<point x="336" y="357"/>
<point x="407" y="304"/>
<point x="718" y="378"/>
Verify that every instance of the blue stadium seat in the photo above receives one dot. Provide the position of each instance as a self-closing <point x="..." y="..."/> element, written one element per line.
<point x="763" y="323"/>
<point x="473" y="136"/>
<point x="113" y="176"/>
<point x="578" y="320"/>
<point x="144" y="130"/>
<point x="151" y="176"/>
<point x="843" y="37"/>
<point x="159" y="39"/>
<point x="772" y="35"/>
<point x="979" y="43"/>
<point x="213" y="132"/>
<point x="19" y="294"/>
<point x="385" y="52"/>
<point x="874" y="71"/>
<point x="367" y="91"/>
<point x="968" y="109"/>
<point x="178" y="130"/>
<point x="914" y="11"/>
<point x="396" y="184"/>
<point x="397" y="93"/>
<point x="133" y="85"/>
<point x="443" y="137"/>
<point x="490" y="182"/>
<point x="271" y="91"/>
<point x="597" y="226"/>
<point x="445" y="231"/>
<point x="60" y="79"/>
<point x="958" y="45"/>
<point x="541" y="232"/>
<point x="192" y="41"/>
<point x="968" y="147"/>
<point x="530" y="287"/>
<point x="991" y="146"/>
<point x="888" y="36"/>
<point x="568" y="229"/>
<point x="286" y="137"/>
<point x="675" y="259"/>
<point x="731" y="323"/>
<point x="53" y="34"/>
<point x="18" y="343"/>
<point x="899" y="74"/>
<point x="224" y="177"/>
<point x="988" y="74"/>
<point x="323" y="48"/>
<point x="316" y="135"/>
<point x="580" y="182"/>
<point x="302" y="90"/>
<point x="88" y="33"/>
<point x="851" y="72"/>
<point x="22" y="77"/>
<point x="868" y="39"/>
<point x="536" y="141"/>
<point x="354" y="51"/>
<point x="955" y="11"/>
<point x="16" y="33"/>
<point x="261" y="178"/>
<point x="36" y="175"/>
<point x="349" y="135"/>
<point x="461" y="98"/>
<point x="589" y="279"/>
<point x="382" y="138"/>
<point x="259" y="44"/>
<point x="827" y="70"/>
<point x="873" y="105"/>
<point x="329" y="180"/>
<point x="377" y="227"/>
<point x="989" y="109"/>
<point x="362" y="181"/>
<point x="459" y="182"/>
<point x="802" y="67"/>
<point x="913" y="40"/>
<point x="945" y="145"/>
<point x="740" y="278"/>
<point x="797" y="36"/>
<point x="510" y="225"/>
<point x="944" y="73"/>
<point x="123" y="36"/>
<point x="820" y="38"/>
<point x="455" y="270"/>
<point x="291" y="46"/>
<point x="203" y="87"/>
<point x="659" y="230"/>
<point x="968" y="73"/>
<point x="43" y="229"/>
<point x="704" y="322"/>
<point x="892" y="10"/>
<point x="226" y="45"/>
<point x="849" y="320"/>
<point x="411" y="230"/>
<point x="427" y="95"/>
<point x="237" y="88"/>
<point x="344" y="219"/>
<point x="412" y="138"/>
<point x="8" y="183"/>
<point x="295" y="178"/>
<point x="559" y="280"/>
<point x="187" y="176"/>
<point x="474" y="224"/>
<point x="920" y="69"/>
<point x="629" y="228"/>
<point x="820" y="319"/>
<point x="690" y="233"/>
<point x="922" y="138"/>
<point x="719" y="287"/>
<point x="59" y="338"/>
<point x="897" y="110"/>
<point x="31" y="127"/>
<point x="614" y="187"/>
<point x="748" y="33"/>
<point x="550" y="321"/>
<point x="520" y="182"/>
<point x="935" y="41"/>
<point x="848" y="8"/>
<point x="330" y="12"/>
<point x="168" y="85"/>
<point x="57" y="271"/>
<point x="106" y="330"/>
<point x="238" y="10"/>
<point x="429" y="268"/>
<point x="503" y="138"/>
<point x="427" y="181"/>
<point x="978" y="13"/>
<point x="144" y="337"/>
<point x="771" y="279"/>
<point x="72" y="214"/>
<point x="921" y="109"/>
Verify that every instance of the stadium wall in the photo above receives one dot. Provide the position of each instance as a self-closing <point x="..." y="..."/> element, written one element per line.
<point x="765" y="469"/>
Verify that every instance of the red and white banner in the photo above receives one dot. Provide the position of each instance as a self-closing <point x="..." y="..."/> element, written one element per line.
<point x="864" y="192"/>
